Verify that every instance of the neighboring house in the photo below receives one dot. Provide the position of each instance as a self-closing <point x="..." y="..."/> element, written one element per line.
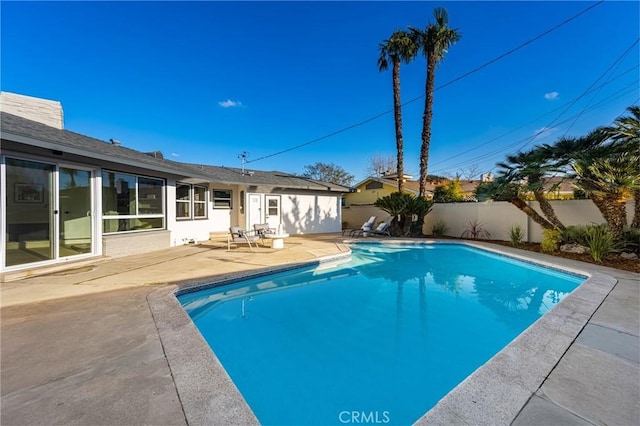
<point x="66" y="196"/>
<point x="560" y="188"/>
<point x="369" y="190"/>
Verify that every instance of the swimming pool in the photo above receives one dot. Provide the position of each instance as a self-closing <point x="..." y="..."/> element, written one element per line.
<point x="382" y="337"/>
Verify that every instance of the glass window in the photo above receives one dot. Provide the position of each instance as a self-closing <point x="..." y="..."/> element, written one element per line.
<point x="199" y="202"/>
<point x="191" y="199"/>
<point x="222" y="198"/>
<point x="118" y="194"/>
<point x="131" y="203"/>
<point x="150" y="196"/>
<point x="183" y="201"/>
<point x="272" y="208"/>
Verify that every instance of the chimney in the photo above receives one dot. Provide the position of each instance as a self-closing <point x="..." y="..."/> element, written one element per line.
<point x="36" y="109"/>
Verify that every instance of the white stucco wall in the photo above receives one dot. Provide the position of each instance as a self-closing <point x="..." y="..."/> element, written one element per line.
<point x="495" y="217"/>
<point x="186" y="231"/>
<point x="311" y="213"/>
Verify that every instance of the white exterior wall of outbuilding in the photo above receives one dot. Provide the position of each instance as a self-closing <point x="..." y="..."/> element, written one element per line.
<point x="311" y="213"/>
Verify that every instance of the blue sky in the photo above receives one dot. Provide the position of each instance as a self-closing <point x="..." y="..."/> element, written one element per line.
<point x="204" y="81"/>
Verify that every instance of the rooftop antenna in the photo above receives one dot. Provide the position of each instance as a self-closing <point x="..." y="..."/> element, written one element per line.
<point x="243" y="158"/>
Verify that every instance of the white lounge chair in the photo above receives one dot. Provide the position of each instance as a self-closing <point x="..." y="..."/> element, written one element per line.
<point x="367" y="226"/>
<point x="381" y="229"/>
<point x="238" y="235"/>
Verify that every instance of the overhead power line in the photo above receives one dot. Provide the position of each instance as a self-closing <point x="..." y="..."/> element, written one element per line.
<point x="630" y="88"/>
<point x="468" y="73"/>
<point x="468" y="150"/>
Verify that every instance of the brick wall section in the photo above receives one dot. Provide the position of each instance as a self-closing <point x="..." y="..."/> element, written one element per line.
<point x="41" y="110"/>
<point x="135" y="243"/>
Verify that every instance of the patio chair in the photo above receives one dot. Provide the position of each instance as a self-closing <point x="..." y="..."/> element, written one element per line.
<point x="367" y="226"/>
<point x="238" y="235"/>
<point x="261" y="229"/>
<point x="381" y="229"/>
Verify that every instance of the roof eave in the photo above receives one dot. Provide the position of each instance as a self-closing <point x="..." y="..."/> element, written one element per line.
<point x="26" y="140"/>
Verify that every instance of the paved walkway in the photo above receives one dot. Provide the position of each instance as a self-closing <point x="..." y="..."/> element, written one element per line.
<point x="80" y="346"/>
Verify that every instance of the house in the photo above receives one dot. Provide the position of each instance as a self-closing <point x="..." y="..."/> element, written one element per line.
<point x="370" y="189"/>
<point x="66" y="196"/>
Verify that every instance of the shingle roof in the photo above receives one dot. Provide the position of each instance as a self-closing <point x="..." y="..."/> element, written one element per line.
<point x="38" y="134"/>
<point x="26" y="131"/>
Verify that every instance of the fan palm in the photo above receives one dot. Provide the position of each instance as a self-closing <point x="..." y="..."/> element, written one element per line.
<point x="609" y="180"/>
<point x="434" y="42"/>
<point x="504" y="189"/>
<point x="403" y="206"/>
<point x="626" y="131"/>
<point x="398" y="48"/>
<point x="532" y="168"/>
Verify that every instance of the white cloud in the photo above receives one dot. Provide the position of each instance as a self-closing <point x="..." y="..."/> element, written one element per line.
<point x="551" y="95"/>
<point x="230" y="104"/>
<point x="175" y="154"/>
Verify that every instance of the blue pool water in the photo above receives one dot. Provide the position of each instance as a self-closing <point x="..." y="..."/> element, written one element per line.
<point x="382" y="337"/>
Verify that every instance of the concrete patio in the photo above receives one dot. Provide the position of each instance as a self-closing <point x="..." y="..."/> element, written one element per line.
<point x="81" y="345"/>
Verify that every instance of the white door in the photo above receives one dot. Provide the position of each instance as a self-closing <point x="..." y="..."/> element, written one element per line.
<point x="273" y="213"/>
<point x="254" y="212"/>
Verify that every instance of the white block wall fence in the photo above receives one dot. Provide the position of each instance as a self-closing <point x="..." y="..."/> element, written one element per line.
<point x="495" y="216"/>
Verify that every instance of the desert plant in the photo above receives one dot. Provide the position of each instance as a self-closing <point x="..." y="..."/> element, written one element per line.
<point x="600" y="241"/>
<point x="475" y="230"/>
<point x="551" y="239"/>
<point x="575" y="234"/>
<point x="403" y="207"/>
<point x="516" y="234"/>
<point x="439" y="228"/>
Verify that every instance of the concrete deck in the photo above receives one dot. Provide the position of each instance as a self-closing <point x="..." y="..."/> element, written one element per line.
<point x="86" y="345"/>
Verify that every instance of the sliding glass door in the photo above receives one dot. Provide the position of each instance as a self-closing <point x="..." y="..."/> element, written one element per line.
<point x="48" y="212"/>
<point x="75" y="219"/>
<point x="30" y="212"/>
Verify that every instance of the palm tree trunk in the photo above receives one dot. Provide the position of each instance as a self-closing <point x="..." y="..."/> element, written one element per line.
<point x="397" y="110"/>
<point x="427" y="117"/>
<point x="547" y="210"/>
<point x="635" y="223"/>
<point x="613" y="209"/>
<point x="524" y="207"/>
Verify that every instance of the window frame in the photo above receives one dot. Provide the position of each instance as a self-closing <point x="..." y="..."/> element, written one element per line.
<point x="225" y="199"/>
<point x="137" y="215"/>
<point x="204" y="202"/>
<point x="191" y="202"/>
<point x="187" y="202"/>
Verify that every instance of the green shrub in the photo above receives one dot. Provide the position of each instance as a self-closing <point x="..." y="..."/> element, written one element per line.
<point x="630" y="240"/>
<point x="516" y="234"/>
<point x="600" y="241"/>
<point x="551" y="239"/>
<point x="439" y="228"/>
<point x="575" y="234"/>
<point x="475" y="230"/>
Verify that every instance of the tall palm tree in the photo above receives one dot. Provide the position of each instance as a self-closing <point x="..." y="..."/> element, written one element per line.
<point x="434" y="42"/>
<point x="398" y="48"/>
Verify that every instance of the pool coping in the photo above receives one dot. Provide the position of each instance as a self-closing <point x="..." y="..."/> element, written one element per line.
<point x="493" y="394"/>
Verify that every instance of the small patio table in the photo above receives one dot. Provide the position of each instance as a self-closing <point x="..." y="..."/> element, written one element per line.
<point x="277" y="240"/>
